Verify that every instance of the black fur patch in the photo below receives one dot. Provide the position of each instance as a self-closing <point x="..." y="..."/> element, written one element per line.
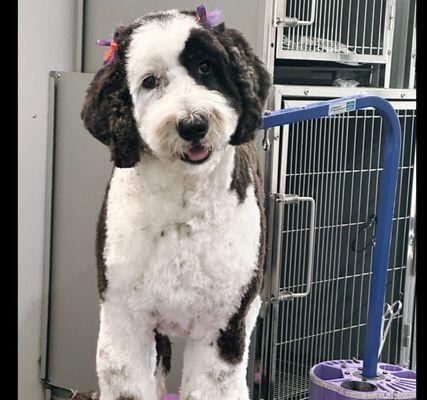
<point x="163" y="349"/>
<point x="245" y="165"/>
<point x="236" y="72"/>
<point x="101" y="233"/>
<point x="202" y="45"/>
<point x="158" y="16"/>
<point x="231" y="341"/>
<point x="108" y="115"/>
<point x="107" y="111"/>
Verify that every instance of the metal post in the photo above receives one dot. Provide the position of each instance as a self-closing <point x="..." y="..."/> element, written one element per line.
<point x="383" y="236"/>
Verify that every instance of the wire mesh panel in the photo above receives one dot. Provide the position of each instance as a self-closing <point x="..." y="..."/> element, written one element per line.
<point x="338" y="161"/>
<point x="343" y="30"/>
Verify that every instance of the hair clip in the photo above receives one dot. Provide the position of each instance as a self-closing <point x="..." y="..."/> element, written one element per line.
<point x="213" y="18"/>
<point x="110" y="54"/>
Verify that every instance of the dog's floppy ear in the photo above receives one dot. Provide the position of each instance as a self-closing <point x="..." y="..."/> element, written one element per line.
<point x="252" y="80"/>
<point x="107" y="111"/>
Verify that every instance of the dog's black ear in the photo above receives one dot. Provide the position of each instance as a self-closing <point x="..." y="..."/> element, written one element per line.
<point x="252" y="80"/>
<point x="107" y="111"/>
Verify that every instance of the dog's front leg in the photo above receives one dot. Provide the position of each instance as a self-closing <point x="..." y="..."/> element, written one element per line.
<point x="209" y="375"/>
<point x="126" y="355"/>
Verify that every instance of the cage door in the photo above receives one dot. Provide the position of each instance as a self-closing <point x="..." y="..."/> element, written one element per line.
<point x="345" y="31"/>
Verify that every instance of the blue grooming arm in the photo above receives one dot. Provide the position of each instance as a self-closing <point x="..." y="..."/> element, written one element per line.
<point x="387" y="192"/>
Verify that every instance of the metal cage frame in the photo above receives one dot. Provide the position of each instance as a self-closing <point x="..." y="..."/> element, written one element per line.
<point x="413" y="53"/>
<point x="321" y="28"/>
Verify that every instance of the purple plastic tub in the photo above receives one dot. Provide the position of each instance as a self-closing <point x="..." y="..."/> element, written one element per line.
<point x="170" y="396"/>
<point x="342" y="380"/>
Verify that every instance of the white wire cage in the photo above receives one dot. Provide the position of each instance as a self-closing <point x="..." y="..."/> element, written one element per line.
<point x="338" y="161"/>
<point x="351" y="32"/>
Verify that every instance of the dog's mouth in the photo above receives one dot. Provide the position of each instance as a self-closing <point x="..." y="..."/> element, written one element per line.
<point x="197" y="153"/>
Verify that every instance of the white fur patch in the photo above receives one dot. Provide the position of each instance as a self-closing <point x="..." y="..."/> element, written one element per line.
<point x="179" y="252"/>
<point x="181" y="241"/>
<point x="207" y="376"/>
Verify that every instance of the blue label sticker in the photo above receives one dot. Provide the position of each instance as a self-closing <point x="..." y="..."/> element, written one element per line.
<point x="339" y="108"/>
<point x="351" y="105"/>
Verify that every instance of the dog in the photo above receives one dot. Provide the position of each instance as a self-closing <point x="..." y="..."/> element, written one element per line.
<point x="180" y="238"/>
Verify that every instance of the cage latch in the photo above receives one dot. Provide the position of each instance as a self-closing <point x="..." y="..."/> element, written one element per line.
<point x="291" y="22"/>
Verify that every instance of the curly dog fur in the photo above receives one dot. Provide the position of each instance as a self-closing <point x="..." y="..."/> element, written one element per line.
<point x="180" y="239"/>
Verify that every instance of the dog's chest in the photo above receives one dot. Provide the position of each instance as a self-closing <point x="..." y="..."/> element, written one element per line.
<point x="179" y="249"/>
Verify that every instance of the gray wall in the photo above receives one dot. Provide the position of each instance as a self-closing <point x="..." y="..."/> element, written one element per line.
<point x="45" y="40"/>
<point x="102" y="16"/>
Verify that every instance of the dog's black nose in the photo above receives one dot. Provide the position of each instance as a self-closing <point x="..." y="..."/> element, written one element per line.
<point x="193" y="129"/>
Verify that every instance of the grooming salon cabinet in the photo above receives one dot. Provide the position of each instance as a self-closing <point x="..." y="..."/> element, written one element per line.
<point x="315" y="50"/>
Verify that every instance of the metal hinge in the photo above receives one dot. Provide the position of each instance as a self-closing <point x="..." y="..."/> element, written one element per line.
<point x="406" y="335"/>
<point x="392" y="16"/>
<point x="411" y="253"/>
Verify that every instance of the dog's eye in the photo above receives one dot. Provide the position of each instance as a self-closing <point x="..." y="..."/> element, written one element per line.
<point x="205" y="68"/>
<point x="150" y="82"/>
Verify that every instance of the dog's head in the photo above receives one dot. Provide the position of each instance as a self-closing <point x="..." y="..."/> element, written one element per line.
<point x="178" y="88"/>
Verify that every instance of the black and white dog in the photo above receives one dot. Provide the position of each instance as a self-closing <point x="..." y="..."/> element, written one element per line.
<point x="180" y="240"/>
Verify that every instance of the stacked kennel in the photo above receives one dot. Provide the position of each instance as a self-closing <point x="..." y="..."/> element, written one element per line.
<point x="326" y="49"/>
<point x="350" y="32"/>
<point x="344" y="42"/>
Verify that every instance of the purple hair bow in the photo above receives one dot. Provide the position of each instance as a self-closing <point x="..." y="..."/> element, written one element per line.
<point x="213" y="18"/>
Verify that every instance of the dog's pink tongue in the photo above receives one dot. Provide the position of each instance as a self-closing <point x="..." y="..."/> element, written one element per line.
<point x="197" y="153"/>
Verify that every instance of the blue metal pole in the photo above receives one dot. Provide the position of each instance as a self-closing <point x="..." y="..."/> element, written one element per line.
<point x="383" y="230"/>
<point x="387" y="192"/>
